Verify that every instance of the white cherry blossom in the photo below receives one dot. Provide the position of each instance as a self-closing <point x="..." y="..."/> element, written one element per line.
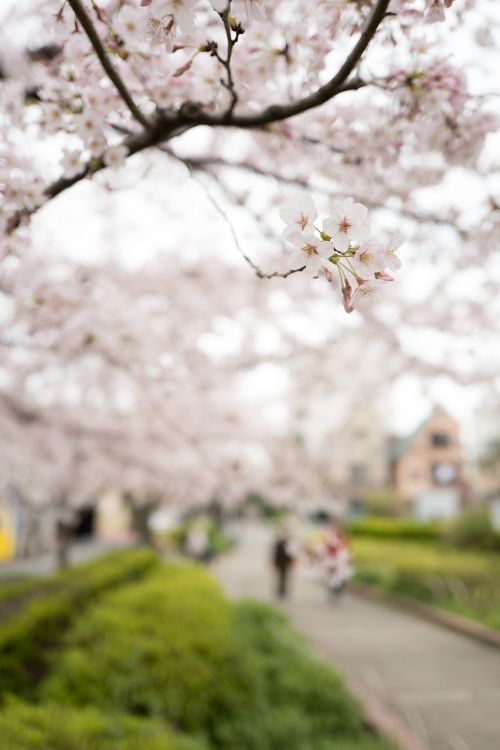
<point x="311" y="251"/>
<point x="365" y="294"/>
<point x="392" y="261"/>
<point x="71" y="162"/>
<point x="130" y="23"/>
<point x="88" y="125"/>
<point x="369" y="258"/>
<point x="298" y="215"/>
<point x="115" y="156"/>
<point x="347" y="223"/>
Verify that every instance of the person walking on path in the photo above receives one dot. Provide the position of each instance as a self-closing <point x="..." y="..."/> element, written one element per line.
<point x="337" y="559"/>
<point x="283" y="559"/>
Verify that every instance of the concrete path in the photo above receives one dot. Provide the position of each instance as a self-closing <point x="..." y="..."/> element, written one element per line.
<point x="443" y="686"/>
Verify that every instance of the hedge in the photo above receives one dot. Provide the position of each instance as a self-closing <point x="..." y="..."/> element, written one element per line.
<point x="465" y="582"/>
<point x="158" y="648"/>
<point x="25" y="727"/>
<point x="29" y="636"/>
<point x="396" y="528"/>
<point x="172" y="648"/>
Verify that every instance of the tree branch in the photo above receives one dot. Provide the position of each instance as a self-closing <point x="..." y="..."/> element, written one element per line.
<point x="190" y="114"/>
<point x="101" y="53"/>
<point x="336" y="85"/>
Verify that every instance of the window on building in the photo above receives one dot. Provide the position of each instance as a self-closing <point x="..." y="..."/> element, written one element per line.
<point x="359" y="473"/>
<point x="440" y="439"/>
<point x="444" y="473"/>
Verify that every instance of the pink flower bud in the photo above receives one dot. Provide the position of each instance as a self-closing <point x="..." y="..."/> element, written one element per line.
<point x="384" y="276"/>
<point x="346" y="296"/>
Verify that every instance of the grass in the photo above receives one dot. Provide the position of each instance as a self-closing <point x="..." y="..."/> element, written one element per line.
<point x="464" y="582"/>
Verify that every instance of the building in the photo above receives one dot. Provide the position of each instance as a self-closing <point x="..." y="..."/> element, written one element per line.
<point x="427" y="468"/>
<point x="358" y="461"/>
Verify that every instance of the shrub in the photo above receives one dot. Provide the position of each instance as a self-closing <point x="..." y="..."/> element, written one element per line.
<point x="473" y="529"/>
<point x="173" y="648"/>
<point x="463" y="581"/>
<point x="52" y="728"/>
<point x="382" y="502"/>
<point x="158" y="648"/>
<point x="28" y="637"/>
<point x="301" y="702"/>
<point x="396" y="528"/>
<point x="11" y="590"/>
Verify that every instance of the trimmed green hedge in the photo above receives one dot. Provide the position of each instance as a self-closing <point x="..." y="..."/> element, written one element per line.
<point x="29" y="636"/>
<point x="52" y="728"/>
<point x="465" y="582"/>
<point x="12" y="590"/>
<point x="158" y="648"/>
<point x="396" y="528"/>
<point x="174" y="649"/>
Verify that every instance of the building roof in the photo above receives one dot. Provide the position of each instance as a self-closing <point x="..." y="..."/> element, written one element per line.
<point x="398" y="446"/>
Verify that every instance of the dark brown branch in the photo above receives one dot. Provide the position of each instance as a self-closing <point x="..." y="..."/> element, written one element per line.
<point x="336" y="85"/>
<point x="101" y="53"/>
<point x="191" y="114"/>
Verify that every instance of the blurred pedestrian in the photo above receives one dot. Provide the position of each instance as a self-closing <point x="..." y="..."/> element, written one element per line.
<point x="197" y="543"/>
<point x="337" y="563"/>
<point x="283" y="560"/>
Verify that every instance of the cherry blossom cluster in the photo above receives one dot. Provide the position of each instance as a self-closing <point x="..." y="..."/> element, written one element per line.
<point x="342" y="251"/>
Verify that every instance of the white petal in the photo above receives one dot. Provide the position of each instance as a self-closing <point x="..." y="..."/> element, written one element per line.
<point x="331" y="225"/>
<point x="396" y="240"/>
<point x="288" y="230"/>
<point x="324" y="249"/>
<point x="185" y="20"/>
<point x="296" y="238"/>
<point x="392" y="261"/>
<point x="329" y="266"/>
<point x="340" y="241"/>
<point x="308" y="207"/>
<point x="359" y="232"/>
<point x="297" y="259"/>
<point x="336" y="213"/>
<point x="289" y="213"/>
<point x="358" y="213"/>
<point x="313" y="265"/>
<point x="219" y="5"/>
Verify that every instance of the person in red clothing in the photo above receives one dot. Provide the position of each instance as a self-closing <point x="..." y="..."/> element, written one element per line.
<point x="337" y="559"/>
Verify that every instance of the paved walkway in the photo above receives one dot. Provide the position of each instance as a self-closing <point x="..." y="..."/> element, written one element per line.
<point x="443" y="686"/>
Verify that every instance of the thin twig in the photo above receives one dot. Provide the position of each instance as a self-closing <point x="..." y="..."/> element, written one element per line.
<point x="227" y="62"/>
<point x="229" y="224"/>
